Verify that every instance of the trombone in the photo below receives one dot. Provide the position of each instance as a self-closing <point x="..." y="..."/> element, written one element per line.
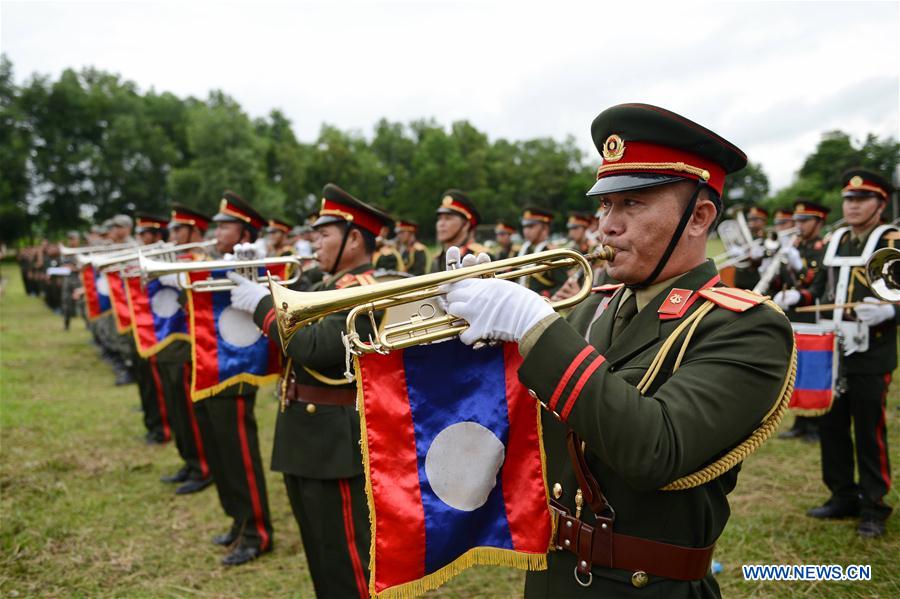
<point x="153" y="269"/>
<point x="294" y="309"/>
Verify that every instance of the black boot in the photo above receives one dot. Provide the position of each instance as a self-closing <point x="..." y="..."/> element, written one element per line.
<point x="179" y="477"/>
<point x="194" y="486"/>
<point x="835" y="509"/>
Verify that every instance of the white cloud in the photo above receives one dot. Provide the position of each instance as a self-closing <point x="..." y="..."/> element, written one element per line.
<point x="770" y="76"/>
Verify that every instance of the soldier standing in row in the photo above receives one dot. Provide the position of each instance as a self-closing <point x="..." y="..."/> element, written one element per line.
<point x="867" y="373"/>
<point x="413" y="253"/>
<point x="622" y="439"/>
<point x="317" y="433"/>
<point x="577" y="227"/>
<point x="747" y="276"/>
<point x="536" y="224"/>
<point x="799" y="283"/>
<point x="503" y="232"/>
<point x="457" y="218"/>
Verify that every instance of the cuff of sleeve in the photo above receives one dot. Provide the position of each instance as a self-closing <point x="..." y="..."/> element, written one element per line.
<point x="558" y="367"/>
<point x="531" y="335"/>
<point x="264" y="314"/>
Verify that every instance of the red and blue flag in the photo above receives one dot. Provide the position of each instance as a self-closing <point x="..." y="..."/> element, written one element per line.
<point x="96" y="292"/>
<point x="816" y="371"/>
<point x="157" y="315"/>
<point x="228" y="348"/>
<point x="119" y="300"/>
<point x="454" y="466"/>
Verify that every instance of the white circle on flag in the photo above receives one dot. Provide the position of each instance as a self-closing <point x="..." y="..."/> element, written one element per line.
<point x="237" y="327"/>
<point x="462" y="465"/>
<point x="164" y="302"/>
<point x="102" y="285"/>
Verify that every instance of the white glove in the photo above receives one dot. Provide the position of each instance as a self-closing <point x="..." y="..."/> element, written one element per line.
<point x="792" y="256"/>
<point x="251" y="251"/>
<point x="757" y="251"/>
<point x="786" y="299"/>
<point x="495" y="309"/>
<point x="872" y="312"/>
<point x="736" y="253"/>
<point x="172" y="280"/>
<point x="247" y="294"/>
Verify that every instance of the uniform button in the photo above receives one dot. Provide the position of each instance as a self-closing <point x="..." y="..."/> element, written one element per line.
<point x="310" y="408"/>
<point x="639" y="579"/>
<point x="557" y="490"/>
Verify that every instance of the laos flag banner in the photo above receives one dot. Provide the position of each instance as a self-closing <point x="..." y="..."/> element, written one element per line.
<point x="157" y="316"/>
<point x="816" y="369"/>
<point x="96" y="292"/>
<point x="454" y="465"/>
<point x="119" y="301"/>
<point x="227" y="346"/>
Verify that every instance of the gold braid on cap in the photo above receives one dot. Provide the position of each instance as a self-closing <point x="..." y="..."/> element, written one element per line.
<point x="680" y="167"/>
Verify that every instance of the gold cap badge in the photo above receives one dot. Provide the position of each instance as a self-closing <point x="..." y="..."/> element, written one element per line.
<point x="856" y="181"/>
<point x="613" y="148"/>
<point x="447" y="201"/>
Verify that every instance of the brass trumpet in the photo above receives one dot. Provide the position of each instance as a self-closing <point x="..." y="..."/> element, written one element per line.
<point x="153" y="269"/>
<point x="883" y="274"/>
<point x="95" y="249"/>
<point x="294" y="309"/>
<point x="167" y="252"/>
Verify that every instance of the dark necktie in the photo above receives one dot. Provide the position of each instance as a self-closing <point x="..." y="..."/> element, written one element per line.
<point x="626" y="312"/>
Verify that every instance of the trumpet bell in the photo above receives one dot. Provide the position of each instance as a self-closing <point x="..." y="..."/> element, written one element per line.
<point x="883" y="274"/>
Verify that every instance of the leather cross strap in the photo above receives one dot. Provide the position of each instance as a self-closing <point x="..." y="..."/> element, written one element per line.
<point x="327" y="396"/>
<point x="602" y="547"/>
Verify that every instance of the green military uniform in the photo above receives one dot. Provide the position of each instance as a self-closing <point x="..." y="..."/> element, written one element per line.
<point x="415" y="259"/>
<point x="388" y="258"/>
<point x="619" y="427"/>
<point x="231" y="441"/>
<point x="317" y="432"/>
<point x="868" y="376"/>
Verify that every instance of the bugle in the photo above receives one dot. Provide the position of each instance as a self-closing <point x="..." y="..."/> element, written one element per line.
<point x="94" y="249"/>
<point x="167" y="253"/>
<point x="294" y="309"/>
<point x="153" y="269"/>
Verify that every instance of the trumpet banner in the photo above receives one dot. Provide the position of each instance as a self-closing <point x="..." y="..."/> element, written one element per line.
<point x="157" y="315"/>
<point x="227" y="346"/>
<point x="119" y="300"/>
<point x="96" y="292"/>
<point x="816" y="373"/>
<point x="454" y="465"/>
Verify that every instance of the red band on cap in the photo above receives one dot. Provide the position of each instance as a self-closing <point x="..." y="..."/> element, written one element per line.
<point x="644" y="157"/>
<point x="358" y="217"/>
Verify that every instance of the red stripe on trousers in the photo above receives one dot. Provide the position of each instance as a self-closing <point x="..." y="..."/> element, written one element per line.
<point x="350" y="533"/>
<point x="879" y="437"/>
<point x="573" y="366"/>
<point x="251" y="475"/>
<point x="198" y="440"/>
<point x="582" y="380"/>
<point x="160" y="399"/>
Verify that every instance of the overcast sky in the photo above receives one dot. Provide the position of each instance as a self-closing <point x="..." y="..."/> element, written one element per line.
<point x="769" y="76"/>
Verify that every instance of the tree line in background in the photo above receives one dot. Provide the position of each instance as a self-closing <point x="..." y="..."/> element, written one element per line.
<point x="89" y="145"/>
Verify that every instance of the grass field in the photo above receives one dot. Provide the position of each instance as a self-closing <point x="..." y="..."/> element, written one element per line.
<point x="82" y="511"/>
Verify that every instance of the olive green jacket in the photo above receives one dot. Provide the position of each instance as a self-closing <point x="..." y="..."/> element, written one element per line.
<point x="729" y="379"/>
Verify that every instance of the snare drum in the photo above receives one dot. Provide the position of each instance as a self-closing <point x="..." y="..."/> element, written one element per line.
<point x="817" y="368"/>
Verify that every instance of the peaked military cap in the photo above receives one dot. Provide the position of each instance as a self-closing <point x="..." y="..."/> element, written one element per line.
<point x="234" y="208"/>
<point x="455" y="201"/>
<point x="533" y="215"/>
<point x="276" y="224"/>
<point x="120" y="220"/>
<point x="406" y="225"/>
<point x="579" y="219"/>
<point x="339" y="206"/>
<point x="862" y="182"/>
<point x="182" y="215"/>
<point x="805" y="209"/>
<point x="504" y="227"/>
<point x="757" y="212"/>
<point x="644" y="146"/>
<point x="783" y="215"/>
<point x="148" y="223"/>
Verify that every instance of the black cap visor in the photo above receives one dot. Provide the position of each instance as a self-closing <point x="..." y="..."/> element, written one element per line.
<point x="327" y="219"/>
<point x="629" y="182"/>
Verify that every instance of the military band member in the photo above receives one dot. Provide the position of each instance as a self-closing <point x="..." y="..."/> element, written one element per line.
<point x="616" y="432"/>
<point x="151" y="229"/>
<point x="457" y="218"/>
<point x="536" y="223"/>
<point x="413" y="253"/>
<point x="186" y="225"/>
<point x="277" y="234"/>
<point x="577" y="226"/>
<point x="317" y="433"/>
<point x="118" y="348"/>
<point x="800" y="282"/>
<point x="783" y="219"/>
<point x="868" y="374"/>
<point x="503" y="232"/>
<point x="228" y="425"/>
<point x="386" y="256"/>
<point x="746" y="277"/>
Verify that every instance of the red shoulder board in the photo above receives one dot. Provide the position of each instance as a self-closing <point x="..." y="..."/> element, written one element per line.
<point x="676" y="303"/>
<point x="736" y="300"/>
<point x="347" y="280"/>
<point x="611" y="288"/>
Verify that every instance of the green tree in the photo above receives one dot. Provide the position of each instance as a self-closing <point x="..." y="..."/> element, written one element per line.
<point x="15" y="149"/>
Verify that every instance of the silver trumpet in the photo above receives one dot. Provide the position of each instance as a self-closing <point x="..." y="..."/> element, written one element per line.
<point x="96" y="249"/>
<point x="153" y="269"/>
<point x="167" y="252"/>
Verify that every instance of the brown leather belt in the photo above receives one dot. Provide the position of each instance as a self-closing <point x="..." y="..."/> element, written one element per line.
<point x="599" y="545"/>
<point x="325" y="396"/>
